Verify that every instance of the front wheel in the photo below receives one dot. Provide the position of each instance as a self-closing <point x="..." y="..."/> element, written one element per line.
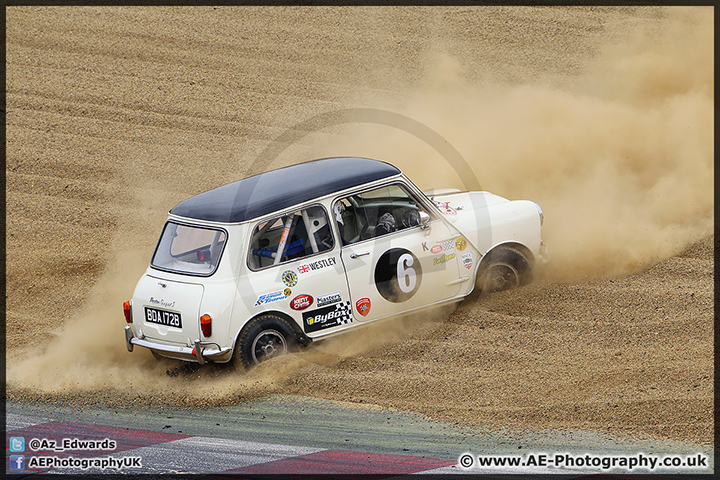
<point x="264" y="338"/>
<point x="504" y="269"/>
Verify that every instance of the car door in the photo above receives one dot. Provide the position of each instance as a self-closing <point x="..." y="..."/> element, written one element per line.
<point x="296" y="269"/>
<point x="394" y="263"/>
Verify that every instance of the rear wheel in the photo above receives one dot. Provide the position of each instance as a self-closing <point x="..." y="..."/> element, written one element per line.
<point x="264" y="338"/>
<point x="504" y="269"/>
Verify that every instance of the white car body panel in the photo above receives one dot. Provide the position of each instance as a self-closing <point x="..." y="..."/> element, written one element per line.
<point x="490" y="220"/>
<point x="165" y="293"/>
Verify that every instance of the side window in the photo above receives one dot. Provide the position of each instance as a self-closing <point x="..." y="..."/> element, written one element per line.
<point x="376" y="213"/>
<point x="299" y="234"/>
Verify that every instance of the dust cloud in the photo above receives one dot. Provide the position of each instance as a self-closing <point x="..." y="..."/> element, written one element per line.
<point x="619" y="157"/>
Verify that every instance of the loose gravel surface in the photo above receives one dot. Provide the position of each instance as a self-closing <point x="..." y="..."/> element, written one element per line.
<point x="604" y="116"/>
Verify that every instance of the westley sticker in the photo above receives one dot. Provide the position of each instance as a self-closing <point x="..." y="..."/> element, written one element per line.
<point x="320" y="264"/>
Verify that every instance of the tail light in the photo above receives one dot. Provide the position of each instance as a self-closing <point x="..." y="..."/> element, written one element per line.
<point x="206" y="325"/>
<point x="127" y="310"/>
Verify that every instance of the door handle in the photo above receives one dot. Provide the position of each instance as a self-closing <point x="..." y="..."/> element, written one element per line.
<point x="356" y="255"/>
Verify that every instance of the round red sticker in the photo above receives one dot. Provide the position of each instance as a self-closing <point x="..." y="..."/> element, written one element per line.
<point x="301" y="302"/>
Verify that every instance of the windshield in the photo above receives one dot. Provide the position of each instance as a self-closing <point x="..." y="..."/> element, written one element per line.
<point x="188" y="249"/>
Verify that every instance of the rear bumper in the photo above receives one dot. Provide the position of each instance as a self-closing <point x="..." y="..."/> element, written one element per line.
<point x="202" y="353"/>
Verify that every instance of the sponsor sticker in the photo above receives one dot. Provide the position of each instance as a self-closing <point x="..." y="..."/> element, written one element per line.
<point x="467" y="260"/>
<point x="461" y="243"/>
<point x="363" y="306"/>
<point x="443" y="247"/>
<point x="319" y="265"/>
<point x="443" y="259"/>
<point x="328" y="299"/>
<point x="273" y="297"/>
<point x="326" y="317"/>
<point x="448" y="210"/>
<point x="301" y="302"/>
<point x="284" y="236"/>
<point x="289" y="278"/>
<point x="445" y="208"/>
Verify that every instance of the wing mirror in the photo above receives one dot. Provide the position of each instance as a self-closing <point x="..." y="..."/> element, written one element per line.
<point x="424" y="219"/>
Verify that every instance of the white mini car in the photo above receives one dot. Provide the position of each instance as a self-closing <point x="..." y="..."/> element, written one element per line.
<point x="249" y="270"/>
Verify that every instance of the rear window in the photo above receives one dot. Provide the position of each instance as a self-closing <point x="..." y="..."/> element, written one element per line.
<point x="190" y="250"/>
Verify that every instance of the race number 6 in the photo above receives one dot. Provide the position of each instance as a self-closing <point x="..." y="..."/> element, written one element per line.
<point x="397" y="275"/>
<point x="405" y="273"/>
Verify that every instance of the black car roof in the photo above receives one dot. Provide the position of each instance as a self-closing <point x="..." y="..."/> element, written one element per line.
<point x="268" y="192"/>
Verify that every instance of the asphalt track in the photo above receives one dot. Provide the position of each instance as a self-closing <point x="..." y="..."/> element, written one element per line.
<point x="293" y="435"/>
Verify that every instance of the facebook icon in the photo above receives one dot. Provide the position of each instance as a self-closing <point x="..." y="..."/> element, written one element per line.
<point x="17" y="462"/>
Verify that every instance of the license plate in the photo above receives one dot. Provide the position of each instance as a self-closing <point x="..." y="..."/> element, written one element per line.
<point x="161" y="317"/>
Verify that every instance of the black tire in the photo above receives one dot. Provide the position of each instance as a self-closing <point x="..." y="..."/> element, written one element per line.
<point x="261" y="339"/>
<point x="504" y="269"/>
